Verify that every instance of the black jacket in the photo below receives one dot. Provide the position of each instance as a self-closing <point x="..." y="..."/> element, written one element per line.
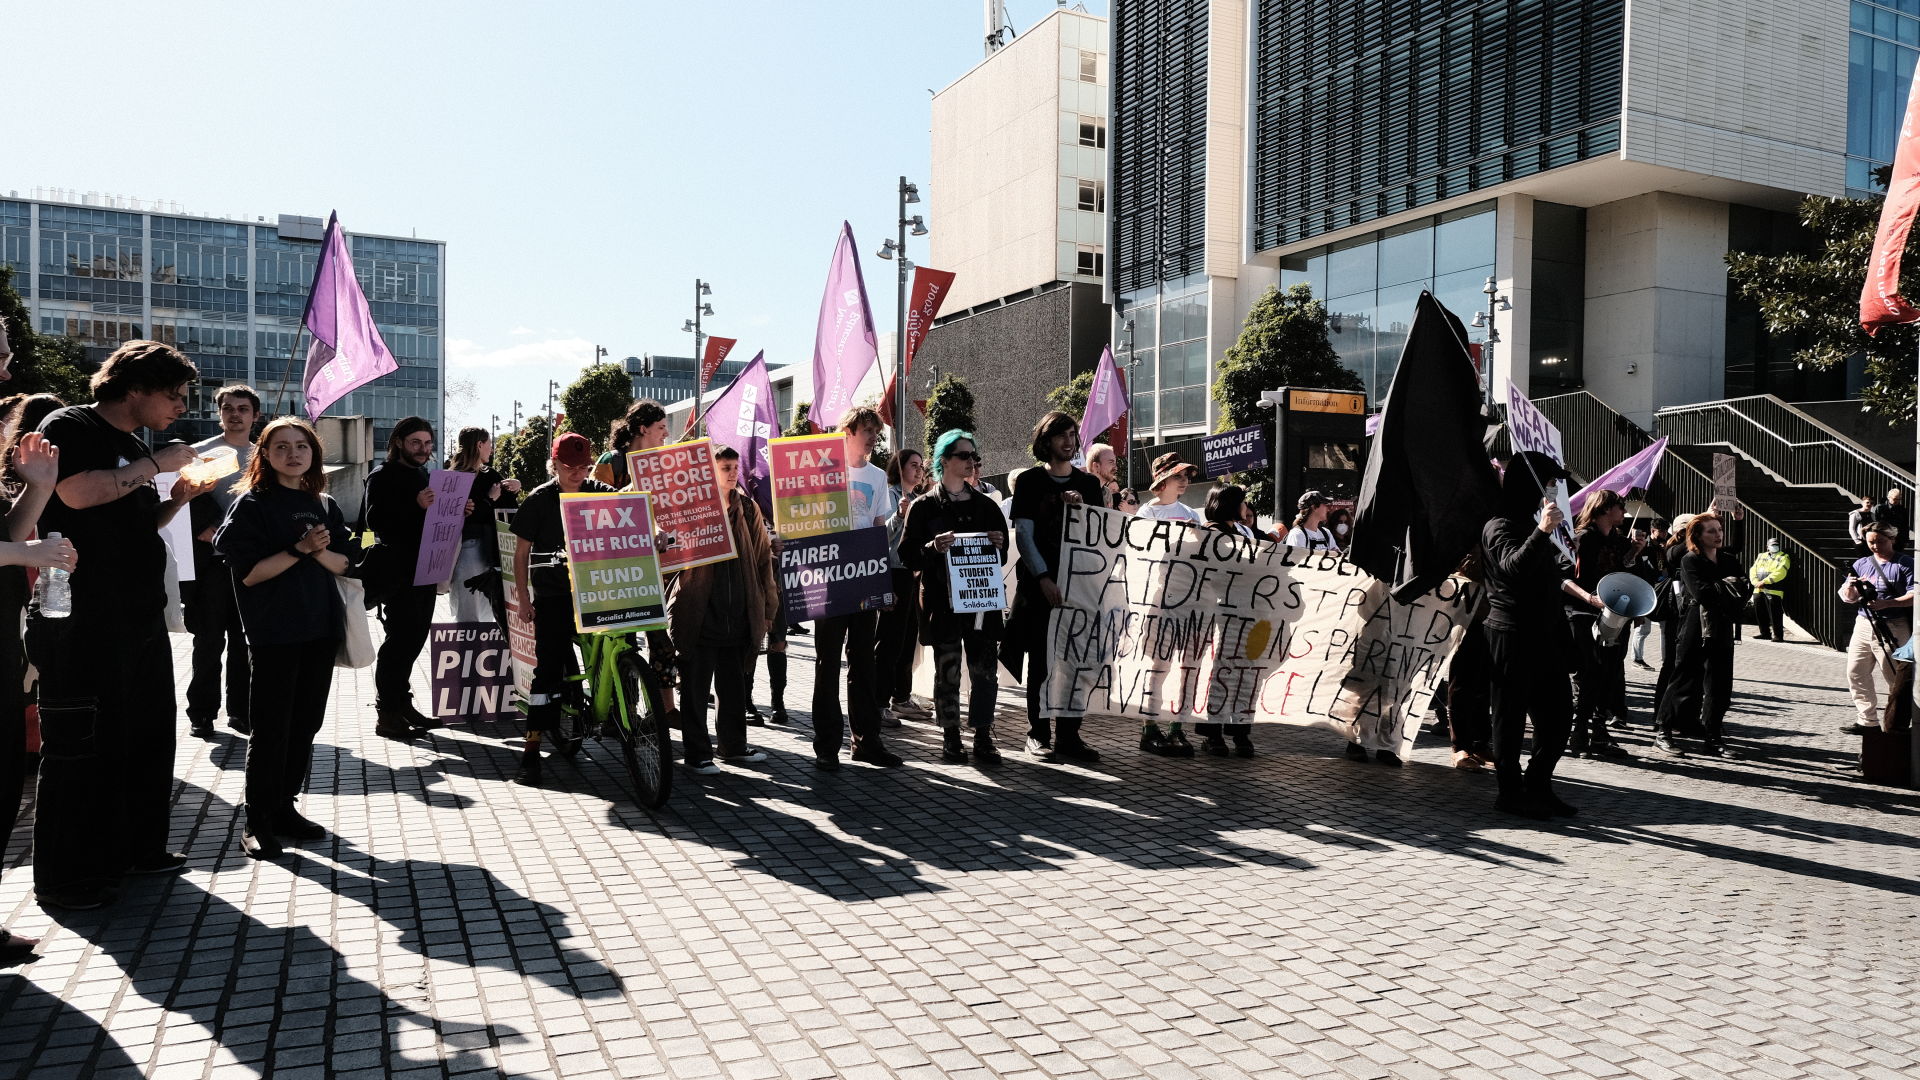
<point x="392" y="510"/>
<point x="301" y="603"/>
<point x="928" y="517"/>
<point x="1524" y="572"/>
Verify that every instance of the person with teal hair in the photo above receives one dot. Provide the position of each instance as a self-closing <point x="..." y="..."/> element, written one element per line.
<point x="934" y="522"/>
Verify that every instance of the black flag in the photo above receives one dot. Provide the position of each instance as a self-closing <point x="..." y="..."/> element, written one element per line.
<point x="1429" y="487"/>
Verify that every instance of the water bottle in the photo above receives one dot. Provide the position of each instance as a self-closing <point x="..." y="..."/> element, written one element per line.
<point x="56" y="593"/>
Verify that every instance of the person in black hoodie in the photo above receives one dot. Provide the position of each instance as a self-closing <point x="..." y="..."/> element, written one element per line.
<point x="396" y="510"/>
<point x="285" y="541"/>
<point x="1713" y="591"/>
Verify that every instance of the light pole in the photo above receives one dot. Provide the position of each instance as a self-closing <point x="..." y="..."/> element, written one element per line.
<point x="553" y="391"/>
<point x="493" y="427"/>
<point x="598" y="352"/>
<point x="1484" y="319"/>
<point x="701" y="309"/>
<point x="516" y="417"/>
<point x="1275" y="400"/>
<point x="909" y="193"/>
<point x="1133" y="363"/>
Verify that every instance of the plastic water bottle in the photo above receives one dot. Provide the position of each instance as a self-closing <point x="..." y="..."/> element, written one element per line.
<point x="56" y="593"/>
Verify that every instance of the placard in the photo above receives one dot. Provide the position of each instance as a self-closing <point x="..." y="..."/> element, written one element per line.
<point x="177" y="532"/>
<point x="472" y="671"/>
<point x="440" y="535"/>
<point x="687" y="504"/>
<point x="610" y="558"/>
<point x="1528" y="429"/>
<point x="1170" y="623"/>
<point x="1726" y="489"/>
<point x="1234" y="451"/>
<point x="519" y="630"/>
<point x="839" y="574"/>
<point x="973" y="574"/>
<point x="810" y="493"/>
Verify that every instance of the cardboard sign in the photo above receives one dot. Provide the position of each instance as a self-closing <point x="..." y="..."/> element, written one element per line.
<point x="687" y="505"/>
<point x="839" y="574"/>
<point x="810" y="493"/>
<point x="1234" y="451"/>
<point x="519" y="631"/>
<point x="440" y="535"/>
<point x="1726" y="491"/>
<point x="610" y="557"/>
<point x="472" y="671"/>
<point x="973" y="574"/>
<point x="178" y="533"/>
<point x="1529" y="430"/>
<point x="1196" y="625"/>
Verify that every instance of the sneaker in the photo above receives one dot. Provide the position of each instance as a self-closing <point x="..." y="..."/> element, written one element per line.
<point x="75" y="898"/>
<point x="877" y="755"/>
<point x="290" y="822"/>
<point x="1177" y="744"/>
<point x="395" y="726"/>
<point x="887" y="719"/>
<point x="260" y="845"/>
<point x="1243" y="746"/>
<point x="780" y="716"/>
<point x="1153" y="740"/>
<point x="1667" y="746"/>
<point x="754" y="719"/>
<point x="1217" y="746"/>
<point x="15" y="949"/>
<point x="912" y="709"/>
<point x="160" y="862"/>
<point x="1716" y="749"/>
<point x="1076" y="751"/>
<point x="1642" y="664"/>
<point x="1610" y="749"/>
<point x="1037" y="748"/>
<point x="1859" y="729"/>
<point x="1356" y="752"/>
<point x="705" y="767"/>
<point x="754" y="755"/>
<point x="1387" y="757"/>
<point x="200" y="727"/>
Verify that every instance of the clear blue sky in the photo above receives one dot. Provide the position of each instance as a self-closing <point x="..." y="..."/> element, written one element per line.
<point x="584" y="162"/>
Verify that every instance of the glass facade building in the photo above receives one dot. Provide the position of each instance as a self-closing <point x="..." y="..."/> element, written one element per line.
<point x="227" y="293"/>
<point x="667" y="379"/>
<point x="1882" y="46"/>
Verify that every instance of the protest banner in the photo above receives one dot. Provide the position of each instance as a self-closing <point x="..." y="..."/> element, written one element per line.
<point x="610" y="557"/>
<point x="177" y="532"/>
<point x="1528" y="429"/>
<point x="810" y="493"/>
<point x="687" y="504"/>
<point x="440" y="535"/>
<point x="472" y="671"/>
<point x="519" y="630"/>
<point x="1234" y="451"/>
<point x="838" y="574"/>
<point x="973" y="574"/>
<point x="1726" y="489"/>
<point x="1196" y="625"/>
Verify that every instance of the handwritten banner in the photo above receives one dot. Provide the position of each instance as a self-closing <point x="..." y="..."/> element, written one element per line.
<point x="1529" y="430"/>
<point x="973" y="574"/>
<point x="610" y="555"/>
<point x="1196" y="625"/>
<point x="810" y="493"/>
<point x="1234" y="451"/>
<point x="440" y="536"/>
<point x="472" y="671"/>
<point x="686" y="502"/>
<point x="519" y="631"/>
<point x="824" y="576"/>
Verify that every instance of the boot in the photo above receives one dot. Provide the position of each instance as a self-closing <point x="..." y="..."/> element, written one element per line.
<point x="1153" y="740"/>
<point x="1177" y="744"/>
<point x="290" y="822"/>
<point x="984" y="752"/>
<point x="1217" y="745"/>
<point x="256" y="837"/>
<point x="777" y="684"/>
<point x="529" y="774"/>
<point x="952" y="750"/>
<point x="1242" y="744"/>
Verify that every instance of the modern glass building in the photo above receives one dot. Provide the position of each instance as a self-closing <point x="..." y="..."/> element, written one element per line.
<point x="1596" y="159"/>
<point x="667" y="379"/>
<point x="228" y="293"/>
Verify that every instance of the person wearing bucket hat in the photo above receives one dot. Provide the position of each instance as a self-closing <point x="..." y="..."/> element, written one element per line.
<point x="1171" y="478"/>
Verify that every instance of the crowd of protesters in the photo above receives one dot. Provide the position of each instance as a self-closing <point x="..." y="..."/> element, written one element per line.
<point x="269" y="615"/>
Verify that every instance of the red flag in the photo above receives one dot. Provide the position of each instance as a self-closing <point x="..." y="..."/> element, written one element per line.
<point x="1880" y="301"/>
<point x="717" y="350"/>
<point x="930" y="288"/>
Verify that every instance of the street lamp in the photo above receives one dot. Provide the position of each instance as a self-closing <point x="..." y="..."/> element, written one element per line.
<point x="909" y="226"/>
<point x="598" y="352"/>
<point x="553" y="391"/>
<point x="516" y="417"/>
<point x="1484" y="320"/>
<point x="493" y="427"/>
<point x="1274" y="400"/>
<point x="701" y="310"/>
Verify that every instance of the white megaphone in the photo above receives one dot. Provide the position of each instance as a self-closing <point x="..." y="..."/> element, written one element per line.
<point x="1626" y="597"/>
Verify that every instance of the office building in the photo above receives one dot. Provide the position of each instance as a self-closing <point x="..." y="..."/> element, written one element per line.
<point x="227" y="292"/>
<point x="667" y="379"/>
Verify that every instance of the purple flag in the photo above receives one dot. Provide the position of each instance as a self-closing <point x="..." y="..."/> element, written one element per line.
<point x="347" y="352"/>
<point x="744" y="418"/>
<point x="844" y="345"/>
<point x="1635" y="472"/>
<point x="1106" y="399"/>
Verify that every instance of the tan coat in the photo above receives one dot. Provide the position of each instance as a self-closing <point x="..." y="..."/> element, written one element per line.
<point x="687" y="589"/>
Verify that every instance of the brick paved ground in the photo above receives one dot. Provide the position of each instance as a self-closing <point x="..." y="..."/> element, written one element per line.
<point x="1297" y="915"/>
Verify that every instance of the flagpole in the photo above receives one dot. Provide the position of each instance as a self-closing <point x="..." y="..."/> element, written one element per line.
<point x="286" y="374"/>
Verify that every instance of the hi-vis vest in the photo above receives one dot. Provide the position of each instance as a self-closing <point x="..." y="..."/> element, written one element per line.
<point x="1768" y="570"/>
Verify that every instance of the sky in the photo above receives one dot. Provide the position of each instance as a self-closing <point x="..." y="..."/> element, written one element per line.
<point x="584" y="162"/>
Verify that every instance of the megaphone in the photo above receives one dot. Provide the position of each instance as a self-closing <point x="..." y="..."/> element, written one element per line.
<point x="1626" y="597"/>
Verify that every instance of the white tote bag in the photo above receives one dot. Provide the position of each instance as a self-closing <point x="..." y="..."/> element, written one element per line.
<point x="356" y="649"/>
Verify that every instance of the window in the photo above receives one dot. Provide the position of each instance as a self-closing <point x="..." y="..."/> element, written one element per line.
<point x="1091" y="261"/>
<point x="1089" y="67"/>
<point x="1093" y="132"/>
<point x="1093" y="196"/>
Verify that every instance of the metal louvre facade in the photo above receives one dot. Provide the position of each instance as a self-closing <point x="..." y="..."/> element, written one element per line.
<point x="1157" y="200"/>
<point x="1364" y="108"/>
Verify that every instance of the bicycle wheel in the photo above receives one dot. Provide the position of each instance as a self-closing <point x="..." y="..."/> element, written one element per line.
<point x="646" y="744"/>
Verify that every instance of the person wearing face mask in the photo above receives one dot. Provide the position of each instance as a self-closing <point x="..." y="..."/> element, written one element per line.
<point x="1769" y="571"/>
<point x="1340" y="521"/>
<point x="395" y="508"/>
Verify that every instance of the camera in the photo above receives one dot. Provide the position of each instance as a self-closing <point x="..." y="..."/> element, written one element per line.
<point x="1869" y="592"/>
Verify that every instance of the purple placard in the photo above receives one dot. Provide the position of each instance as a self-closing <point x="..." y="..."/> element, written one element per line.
<point x="472" y="672"/>
<point x="1234" y="451"/>
<point x="836" y="574"/>
<point x="440" y="536"/>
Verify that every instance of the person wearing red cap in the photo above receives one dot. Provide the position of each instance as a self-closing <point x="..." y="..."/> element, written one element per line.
<point x="546" y="594"/>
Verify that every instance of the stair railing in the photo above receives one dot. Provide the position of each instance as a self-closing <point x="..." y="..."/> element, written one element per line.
<point x="1788" y="443"/>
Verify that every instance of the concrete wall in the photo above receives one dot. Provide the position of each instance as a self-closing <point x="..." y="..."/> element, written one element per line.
<point x="1656" y="303"/>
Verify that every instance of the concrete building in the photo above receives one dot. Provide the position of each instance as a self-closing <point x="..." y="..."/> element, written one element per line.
<point x="227" y="292"/>
<point x="1597" y="159"/>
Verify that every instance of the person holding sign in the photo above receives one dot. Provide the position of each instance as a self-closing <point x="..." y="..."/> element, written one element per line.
<point x="546" y="595"/>
<point x="1040" y="500"/>
<point x="395" y="508"/>
<point x="285" y="541"/>
<point x="872" y="504"/>
<point x="1226" y="513"/>
<point x="1171" y="478"/>
<point x="935" y="523"/>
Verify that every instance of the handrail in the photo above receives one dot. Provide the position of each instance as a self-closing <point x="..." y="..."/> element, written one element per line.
<point x="1814" y="456"/>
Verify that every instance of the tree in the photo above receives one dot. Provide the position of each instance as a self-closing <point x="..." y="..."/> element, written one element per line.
<point x="801" y="424"/>
<point x="42" y="363"/>
<point x="1072" y="400"/>
<point x="1284" y="343"/>
<point x="949" y="406"/>
<point x="523" y="454"/>
<point x="595" y="400"/>
<point x="1814" y="295"/>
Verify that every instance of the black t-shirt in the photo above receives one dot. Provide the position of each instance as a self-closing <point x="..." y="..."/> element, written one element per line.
<point x="301" y="603"/>
<point x="122" y="560"/>
<point x="1037" y="497"/>
<point x="538" y="524"/>
<point x="479" y="524"/>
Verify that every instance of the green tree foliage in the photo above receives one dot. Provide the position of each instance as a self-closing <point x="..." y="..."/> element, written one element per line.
<point x="42" y="363"/>
<point x="523" y="454"/>
<point x="949" y="406"/>
<point x="595" y="400"/>
<point x="1284" y="343"/>
<point x="801" y="425"/>
<point x="1072" y="398"/>
<point x="1814" y="295"/>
